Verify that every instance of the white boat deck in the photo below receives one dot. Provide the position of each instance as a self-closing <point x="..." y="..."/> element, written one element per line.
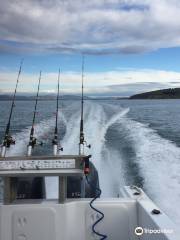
<point x="73" y="220"/>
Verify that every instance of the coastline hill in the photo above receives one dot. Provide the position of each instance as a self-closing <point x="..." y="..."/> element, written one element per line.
<point x="171" y="93"/>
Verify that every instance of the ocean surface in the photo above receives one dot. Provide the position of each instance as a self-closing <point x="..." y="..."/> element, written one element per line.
<point x="134" y="142"/>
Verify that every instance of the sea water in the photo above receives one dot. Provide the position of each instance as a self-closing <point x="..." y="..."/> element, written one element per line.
<point x="134" y="142"/>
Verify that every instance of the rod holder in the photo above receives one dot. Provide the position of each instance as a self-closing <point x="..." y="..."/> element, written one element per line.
<point x="55" y="149"/>
<point x="3" y="151"/>
<point x="29" y="150"/>
<point x="81" y="149"/>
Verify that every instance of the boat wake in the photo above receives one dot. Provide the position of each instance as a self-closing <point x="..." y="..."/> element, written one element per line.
<point x="123" y="150"/>
<point x="158" y="162"/>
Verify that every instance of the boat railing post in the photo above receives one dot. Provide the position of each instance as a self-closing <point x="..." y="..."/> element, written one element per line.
<point x="10" y="189"/>
<point x="62" y="189"/>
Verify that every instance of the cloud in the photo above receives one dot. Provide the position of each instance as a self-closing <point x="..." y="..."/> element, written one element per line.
<point x="94" y="27"/>
<point x="123" y="82"/>
<point x="130" y="89"/>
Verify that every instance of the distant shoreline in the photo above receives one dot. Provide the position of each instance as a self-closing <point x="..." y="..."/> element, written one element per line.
<point x="9" y="97"/>
<point x="171" y="93"/>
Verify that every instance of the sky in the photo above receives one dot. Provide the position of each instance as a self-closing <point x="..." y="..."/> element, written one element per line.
<point x="130" y="46"/>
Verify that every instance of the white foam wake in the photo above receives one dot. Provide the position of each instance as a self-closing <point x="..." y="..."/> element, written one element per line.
<point x="158" y="160"/>
<point x="96" y="125"/>
<point x="96" y="128"/>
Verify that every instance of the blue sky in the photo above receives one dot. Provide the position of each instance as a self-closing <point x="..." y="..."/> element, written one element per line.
<point x="167" y="59"/>
<point x="130" y="46"/>
<point x="161" y="59"/>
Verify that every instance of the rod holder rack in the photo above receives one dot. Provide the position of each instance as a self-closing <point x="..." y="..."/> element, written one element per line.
<point x="63" y="166"/>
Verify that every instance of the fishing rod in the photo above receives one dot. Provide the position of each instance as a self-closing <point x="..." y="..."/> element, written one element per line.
<point x="82" y="141"/>
<point x="8" y="139"/>
<point x="56" y="148"/>
<point x="32" y="139"/>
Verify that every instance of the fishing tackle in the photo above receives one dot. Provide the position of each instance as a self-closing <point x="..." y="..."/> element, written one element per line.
<point x="33" y="140"/>
<point x="8" y="139"/>
<point x="82" y="141"/>
<point x="56" y="146"/>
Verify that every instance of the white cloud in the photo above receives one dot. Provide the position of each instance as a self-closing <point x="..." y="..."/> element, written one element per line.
<point x="124" y="81"/>
<point x="93" y="26"/>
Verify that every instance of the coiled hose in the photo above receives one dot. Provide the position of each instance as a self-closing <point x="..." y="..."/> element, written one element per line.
<point x="98" y="194"/>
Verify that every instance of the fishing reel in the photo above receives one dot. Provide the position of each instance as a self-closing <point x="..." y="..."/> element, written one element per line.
<point x="55" y="142"/>
<point x="8" y="141"/>
<point x="87" y="145"/>
<point x="33" y="142"/>
<point x="83" y="141"/>
<point x="61" y="149"/>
